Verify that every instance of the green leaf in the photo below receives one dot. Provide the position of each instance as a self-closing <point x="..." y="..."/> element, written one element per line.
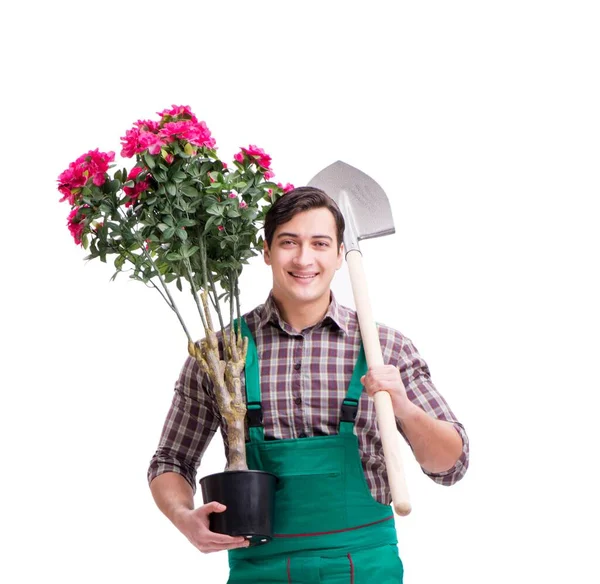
<point x="149" y="160"/>
<point x="210" y="221"/>
<point x="190" y="191"/>
<point x="188" y="252"/>
<point x="181" y="233"/>
<point x="178" y="176"/>
<point x="182" y="204"/>
<point x="119" y="261"/>
<point x="210" y="200"/>
<point x="215" y="210"/>
<point x="171" y="189"/>
<point x="174" y="256"/>
<point x="168" y="233"/>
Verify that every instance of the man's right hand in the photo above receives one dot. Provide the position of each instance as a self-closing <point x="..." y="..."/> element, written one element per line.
<point x="194" y="525"/>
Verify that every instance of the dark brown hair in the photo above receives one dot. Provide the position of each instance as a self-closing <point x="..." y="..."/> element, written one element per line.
<point x="296" y="201"/>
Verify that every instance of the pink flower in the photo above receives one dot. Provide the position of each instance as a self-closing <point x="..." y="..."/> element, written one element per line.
<point x="151" y="142"/>
<point x="178" y="110"/>
<point x="129" y="143"/>
<point x="269" y="174"/>
<point x="243" y="204"/>
<point x="288" y="187"/>
<point x="75" y="226"/>
<point x="140" y="138"/>
<point x="232" y="196"/>
<point x="134" y="192"/>
<point x="147" y="126"/>
<point x="177" y="123"/>
<point x="169" y="158"/>
<point x="173" y="130"/>
<point x="92" y="165"/>
<point x="258" y="154"/>
<point x="220" y="228"/>
<point x="196" y="133"/>
<point x="134" y="172"/>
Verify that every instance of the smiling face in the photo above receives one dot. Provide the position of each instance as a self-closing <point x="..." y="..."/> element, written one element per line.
<point x="304" y="257"/>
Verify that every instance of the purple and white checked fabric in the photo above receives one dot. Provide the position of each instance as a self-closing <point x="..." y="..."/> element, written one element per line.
<point x="304" y="378"/>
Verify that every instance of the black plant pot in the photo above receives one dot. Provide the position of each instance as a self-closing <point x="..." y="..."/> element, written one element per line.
<point x="250" y="499"/>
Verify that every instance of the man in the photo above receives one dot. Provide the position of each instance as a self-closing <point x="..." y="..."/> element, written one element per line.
<point x="310" y="360"/>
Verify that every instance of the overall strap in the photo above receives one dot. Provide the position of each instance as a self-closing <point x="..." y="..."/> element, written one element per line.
<point x="254" y="413"/>
<point x="350" y="402"/>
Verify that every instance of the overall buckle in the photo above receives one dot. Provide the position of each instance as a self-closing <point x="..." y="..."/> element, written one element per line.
<point x="254" y="414"/>
<point x="349" y="410"/>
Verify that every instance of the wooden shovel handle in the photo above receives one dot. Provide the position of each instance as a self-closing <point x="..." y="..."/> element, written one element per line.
<point x="386" y="420"/>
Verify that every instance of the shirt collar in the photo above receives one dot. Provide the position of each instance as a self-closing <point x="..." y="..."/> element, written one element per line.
<point x="335" y="314"/>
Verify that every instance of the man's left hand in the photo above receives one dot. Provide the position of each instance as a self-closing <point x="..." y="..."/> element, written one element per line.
<point x="387" y="378"/>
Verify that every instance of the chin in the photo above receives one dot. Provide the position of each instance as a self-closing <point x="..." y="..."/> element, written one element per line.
<point x="308" y="296"/>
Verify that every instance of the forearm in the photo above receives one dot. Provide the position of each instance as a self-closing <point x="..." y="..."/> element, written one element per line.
<point x="436" y="443"/>
<point x="172" y="495"/>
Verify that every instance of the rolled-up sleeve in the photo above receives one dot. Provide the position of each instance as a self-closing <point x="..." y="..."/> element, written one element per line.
<point x="190" y="424"/>
<point x="422" y="392"/>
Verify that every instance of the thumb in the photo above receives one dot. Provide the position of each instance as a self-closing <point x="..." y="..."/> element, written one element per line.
<point x="215" y="507"/>
<point x="362" y="379"/>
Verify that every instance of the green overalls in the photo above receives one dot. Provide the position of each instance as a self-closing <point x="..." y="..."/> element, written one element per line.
<point x="328" y="527"/>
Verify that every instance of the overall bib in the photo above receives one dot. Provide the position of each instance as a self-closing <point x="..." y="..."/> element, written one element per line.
<point x="328" y="527"/>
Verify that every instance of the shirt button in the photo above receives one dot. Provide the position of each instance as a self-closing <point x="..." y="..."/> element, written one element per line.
<point x="298" y="401"/>
<point x="297" y="366"/>
<point x="302" y="435"/>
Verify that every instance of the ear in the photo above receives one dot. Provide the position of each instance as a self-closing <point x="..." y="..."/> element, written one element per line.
<point x="266" y="253"/>
<point x="340" y="258"/>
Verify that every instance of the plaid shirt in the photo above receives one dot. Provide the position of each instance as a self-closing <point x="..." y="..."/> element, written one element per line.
<point x="304" y="378"/>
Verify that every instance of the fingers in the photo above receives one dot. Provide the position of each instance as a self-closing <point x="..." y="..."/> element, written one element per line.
<point x="213" y="507"/>
<point x="381" y="377"/>
<point x="208" y="547"/>
<point x="209" y="541"/>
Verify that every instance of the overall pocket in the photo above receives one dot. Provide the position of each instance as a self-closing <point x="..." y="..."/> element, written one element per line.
<point x="310" y="494"/>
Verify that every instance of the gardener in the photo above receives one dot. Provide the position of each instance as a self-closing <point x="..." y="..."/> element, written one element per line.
<point x="310" y="358"/>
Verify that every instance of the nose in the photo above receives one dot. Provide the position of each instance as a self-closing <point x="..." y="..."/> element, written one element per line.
<point x="303" y="256"/>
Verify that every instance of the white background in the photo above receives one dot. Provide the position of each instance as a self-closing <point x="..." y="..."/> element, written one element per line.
<point x="481" y="121"/>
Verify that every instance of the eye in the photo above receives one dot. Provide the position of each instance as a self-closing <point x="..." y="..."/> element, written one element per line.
<point x="321" y="244"/>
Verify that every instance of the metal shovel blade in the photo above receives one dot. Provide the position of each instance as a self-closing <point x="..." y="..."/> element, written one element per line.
<point x="361" y="200"/>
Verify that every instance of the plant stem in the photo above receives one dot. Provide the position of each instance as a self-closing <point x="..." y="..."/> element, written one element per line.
<point x="171" y="301"/>
<point x="239" y="313"/>
<point x="207" y="275"/>
<point x="216" y="302"/>
<point x="188" y="268"/>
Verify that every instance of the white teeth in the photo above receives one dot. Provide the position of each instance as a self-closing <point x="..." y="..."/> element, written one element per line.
<point x="301" y="276"/>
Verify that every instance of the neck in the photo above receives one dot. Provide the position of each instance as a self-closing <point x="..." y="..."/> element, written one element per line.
<point x="304" y="315"/>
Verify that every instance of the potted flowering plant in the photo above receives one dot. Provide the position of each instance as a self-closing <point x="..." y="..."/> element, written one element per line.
<point x="181" y="216"/>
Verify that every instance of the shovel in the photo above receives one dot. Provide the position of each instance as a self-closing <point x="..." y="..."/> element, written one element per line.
<point x="367" y="214"/>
